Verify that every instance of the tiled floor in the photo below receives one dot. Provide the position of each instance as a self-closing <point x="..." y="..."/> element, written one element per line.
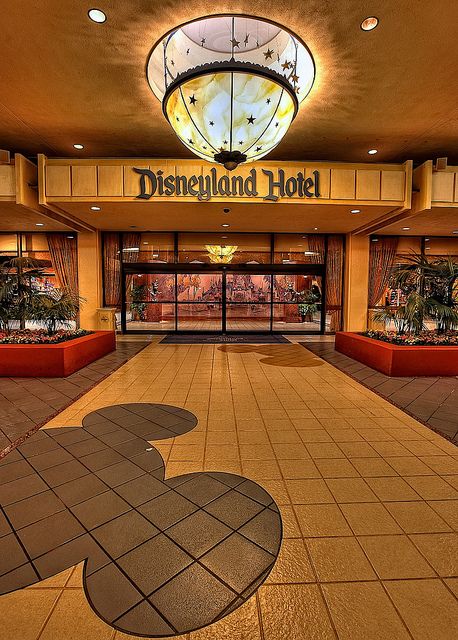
<point x="28" y="402"/>
<point x="368" y="498"/>
<point x="432" y="400"/>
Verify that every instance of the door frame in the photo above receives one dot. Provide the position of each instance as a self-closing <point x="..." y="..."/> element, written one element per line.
<point x="129" y="268"/>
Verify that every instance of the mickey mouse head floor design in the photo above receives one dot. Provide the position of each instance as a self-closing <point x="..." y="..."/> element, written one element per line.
<point x="162" y="557"/>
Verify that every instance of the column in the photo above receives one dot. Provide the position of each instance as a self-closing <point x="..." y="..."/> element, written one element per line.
<point x="90" y="277"/>
<point x="356" y="283"/>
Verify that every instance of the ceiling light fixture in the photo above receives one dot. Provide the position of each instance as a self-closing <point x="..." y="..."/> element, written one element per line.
<point x="315" y="228"/>
<point x="70" y="237"/>
<point x="368" y="24"/>
<point x="96" y="208"/>
<point x="39" y="224"/>
<point x="455" y="232"/>
<point x="372" y="152"/>
<point x="230" y="86"/>
<point x="79" y="146"/>
<point x="225" y="225"/>
<point x="220" y="254"/>
<point x="355" y="211"/>
<point x="406" y="228"/>
<point x="97" y="15"/>
<point x="374" y="239"/>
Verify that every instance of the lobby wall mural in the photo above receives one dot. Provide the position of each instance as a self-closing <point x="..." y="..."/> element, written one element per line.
<point x="162" y="557"/>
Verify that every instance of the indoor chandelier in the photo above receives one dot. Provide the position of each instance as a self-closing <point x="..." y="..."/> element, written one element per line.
<point x="221" y="254"/>
<point x="230" y="86"/>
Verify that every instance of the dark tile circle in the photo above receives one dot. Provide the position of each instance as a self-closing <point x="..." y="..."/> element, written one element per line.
<point x="146" y="420"/>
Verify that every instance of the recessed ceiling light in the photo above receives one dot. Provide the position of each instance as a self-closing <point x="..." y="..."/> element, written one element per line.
<point x="39" y="224"/>
<point x="224" y="237"/>
<point x="79" y="146"/>
<point x="97" y="15"/>
<point x="70" y="237"/>
<point x="96" y="208"/>
<point x="303" y="236"/>
<point x="372" y="152"/>
<point x="427" y="248"/>
<point x="406" y="228"/>
<point x="225" y="225"/>
<point x="355" y="211"/>
<point x="315" y="228"/>
<point x="455" y="232"/>
<point x="369" y="23"/>
<point x="427" y="239"/>
<point x="374" y="239"/>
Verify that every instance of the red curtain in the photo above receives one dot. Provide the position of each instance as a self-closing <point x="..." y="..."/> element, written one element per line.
<point x="64" y="259"/>
<point x="112" y="269"/>
<point x="382" y="256"/>
<point x="334" y="273"/>
<point x="316" y="246"/>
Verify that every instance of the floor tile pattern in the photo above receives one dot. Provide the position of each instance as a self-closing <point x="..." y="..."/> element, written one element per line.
<point x="270" y="413"/>
<point x="26" y="403"/>
<point x="433" y="400"/>
<point x="162" y="557"/>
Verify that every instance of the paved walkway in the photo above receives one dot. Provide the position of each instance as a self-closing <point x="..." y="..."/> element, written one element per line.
<point x="368" y="498"/>
<point x="26" y="403"/>
<point x="432" y="400"/>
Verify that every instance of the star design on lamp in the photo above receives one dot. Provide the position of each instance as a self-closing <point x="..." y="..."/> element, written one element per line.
<point x="205" y="99"/>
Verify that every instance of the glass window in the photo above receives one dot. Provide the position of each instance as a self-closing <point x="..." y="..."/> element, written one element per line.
<point x="199" y="301"/>
<point x="297" y="248"/>
<point x="297" y="303"/>
<point x="441" y="246"/>
<point x="156" y="247"/>
<point x="8" y="244"/>
<point x="224" y="248"/>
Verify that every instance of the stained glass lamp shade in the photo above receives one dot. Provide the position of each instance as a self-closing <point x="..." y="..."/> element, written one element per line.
<point x="230" y="86"/>
<point x="221" y="254"/>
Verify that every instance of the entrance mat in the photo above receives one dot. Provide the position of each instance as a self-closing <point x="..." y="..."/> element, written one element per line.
<point x="250" y="338"/>
<point x="162" y="557"/>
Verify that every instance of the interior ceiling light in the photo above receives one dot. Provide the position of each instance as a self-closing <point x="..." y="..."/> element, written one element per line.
<point x="372" y="152"/>
<point x="97" y="15"/>
<point x="70" y="237"/>
<point x="355" y="211"/>
<point x="406" y="228"/>
<point x="79" y="146"/>
<point x="39" y="224"/>
<point x="456" y="231"/>
<point x="230" y="86"/>
<point x="96" y="208"/>
<point x="369" y="23"/>
<point x="225" y="225"/>
<point x="220" y="254"/>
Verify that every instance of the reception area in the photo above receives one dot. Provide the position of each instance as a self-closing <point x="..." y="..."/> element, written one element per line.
<point x="228" y="321"/>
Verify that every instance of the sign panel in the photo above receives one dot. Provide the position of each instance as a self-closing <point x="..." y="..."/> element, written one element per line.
<point x="203" y="187"/>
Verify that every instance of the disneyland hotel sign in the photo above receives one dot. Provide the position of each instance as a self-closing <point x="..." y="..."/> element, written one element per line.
<point x="204" y="187"/>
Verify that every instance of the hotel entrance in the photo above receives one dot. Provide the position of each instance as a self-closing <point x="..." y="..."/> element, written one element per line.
<point x="190" y="282"/>
<point x="223" y="299"/>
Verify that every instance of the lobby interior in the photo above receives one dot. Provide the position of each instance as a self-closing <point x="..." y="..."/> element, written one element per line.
<point x="224" y="470"/>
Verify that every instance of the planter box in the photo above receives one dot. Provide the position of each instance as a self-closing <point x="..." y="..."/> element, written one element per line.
<point x="396" y="360"/>
<point x="54" y="360"/>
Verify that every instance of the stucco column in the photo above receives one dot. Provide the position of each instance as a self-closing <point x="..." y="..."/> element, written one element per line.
<point x="356" y="283"/>
<point x="89" y="277"/>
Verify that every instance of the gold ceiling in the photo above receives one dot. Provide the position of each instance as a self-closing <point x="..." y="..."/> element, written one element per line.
<point x="66" y="80"/>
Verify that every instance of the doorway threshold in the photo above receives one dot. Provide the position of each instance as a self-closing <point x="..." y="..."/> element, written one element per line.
<point x="249" y="338"/>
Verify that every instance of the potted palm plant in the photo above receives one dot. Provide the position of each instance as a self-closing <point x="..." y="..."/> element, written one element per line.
<point x="308" y="305"/>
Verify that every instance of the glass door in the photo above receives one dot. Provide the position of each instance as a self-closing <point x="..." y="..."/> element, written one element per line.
<point x="199" y="302"/>
<point x="248" y="302"/>
<point x="149" y="302"/>
<point x="297" y="303"/>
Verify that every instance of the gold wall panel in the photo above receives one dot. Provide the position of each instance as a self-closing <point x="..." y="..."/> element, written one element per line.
<point x="7" y="180"/>
<point x="367" y="185"/>
<point x="58" y="180"/>
<point x="109" y="181"/>
<point x="343" y="185"/>
<point x="392" y="187"/>
<point x="443" y="186"/>
<point x="84" y="180"/>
